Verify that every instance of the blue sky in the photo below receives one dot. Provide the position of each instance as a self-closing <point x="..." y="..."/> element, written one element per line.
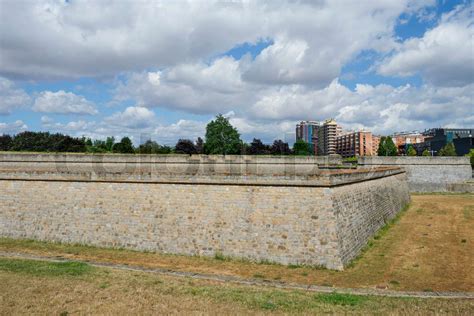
<point x="133" y="70"/>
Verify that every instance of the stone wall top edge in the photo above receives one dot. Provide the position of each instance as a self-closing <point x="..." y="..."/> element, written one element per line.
<point x="327" y="179"/>
<point x="171" y="158"/>
<point x="404" y="160"/>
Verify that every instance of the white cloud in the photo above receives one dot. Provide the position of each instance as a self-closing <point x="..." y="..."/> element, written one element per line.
<point x="132" y="117"/>
<point x="170" y="133"/>
<point x="13" y="128"/>
<point x="443" y="56"/>
<point x="267" y="110"/>
<point x="311" y="39"/>
<point x="385" y="109"/>
<point x="76" y="128"/>
<point x="11" y="97"/>
<point x="274" y="112"/>
<point x="62" y="102"/>
<point x="128" y="35"/>
<point x="163" y="133"/>
<point x="197" y="88"/>
<point x="179" y="66"/>
<point x="298" y="102"/>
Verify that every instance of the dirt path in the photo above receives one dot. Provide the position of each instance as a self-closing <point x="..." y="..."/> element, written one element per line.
<point x="252" y="282"/>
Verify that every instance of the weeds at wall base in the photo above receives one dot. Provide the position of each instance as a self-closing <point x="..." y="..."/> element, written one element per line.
<point x="379" y="235"/>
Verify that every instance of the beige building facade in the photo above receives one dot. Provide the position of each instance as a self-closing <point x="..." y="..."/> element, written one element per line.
<point x="353" y="144"/>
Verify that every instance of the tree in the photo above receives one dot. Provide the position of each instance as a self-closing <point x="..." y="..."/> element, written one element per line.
<point x="165" y="149"/>
<point x="149" y="147"/>
<point x="90" y="146"/>
<point x="31" y="141"/>
<point x="426" y="153"/>
<point x="199" y="145"/>
<point x="244" y="148"/>
<point x="109" y="144"/>
<point x="471" y="155"/>
<point x="185" y="146"/>
<point x="390" y="148"/>
<point x="124" y="147"/>
<point x="258" y="148"/>
<point x="44" y="141"/>
<point x="98" y="146"/>
<point x="222" y="137"/>
<point x="302" y="148"/>
<point x="411" y="151"/>
<point x="387" y="147"/>
<point x="88" y="141"/>
<point x="381" y="150"/>
<point x="5" y="142"/>
<point x="279" y="147"/>
<point x="448" y="150"/>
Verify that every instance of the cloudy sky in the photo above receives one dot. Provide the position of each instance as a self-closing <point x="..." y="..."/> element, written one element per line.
<point x="163" y="69"/>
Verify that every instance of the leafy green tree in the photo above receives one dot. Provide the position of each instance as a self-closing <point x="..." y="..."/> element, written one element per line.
<point x="125" y="146"/>
<point x="199" y="145"/>
<point x="244" y="148"/>
<point x="426" y="153"/>
<point x="5" y="142"/>
<point x="149" y="147"/>
<point x="109" y="144"/>
<point x="279" y="147"/>
<point x="44" y="141"/>
<point x="90" y="148"/>
<point x="165" y="149"/>
<point x="258" y="148"/>
<point x="471" y="155"/>
<point x="185" y="146"/>
<point x="31" y="141"/>
<point x="387" y="147"/>
<point x="411" y="151"/>
<point x="390" y="148"/>
<point x="302" y="148"/>
<point x="381" y="150"/>
<point x="87" y="141"/>
<point x="448" y="150"/>
<point x="98" y="146"/>
<point x="222" y="137"/>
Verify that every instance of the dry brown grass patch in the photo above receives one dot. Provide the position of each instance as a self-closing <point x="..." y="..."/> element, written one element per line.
<point x="108" y="291"/>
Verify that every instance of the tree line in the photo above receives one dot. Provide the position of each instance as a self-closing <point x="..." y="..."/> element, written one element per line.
<point x="221" y="138"/>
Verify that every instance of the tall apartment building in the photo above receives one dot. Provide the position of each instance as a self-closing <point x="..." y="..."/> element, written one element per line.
<point x="327" y="134"/>
<point x="375" y="144"/>
<point x="308" y="131"/>
<point x="361" y="143"/>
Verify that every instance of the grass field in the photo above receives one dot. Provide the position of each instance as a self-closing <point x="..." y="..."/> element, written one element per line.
<point x="38" y="287"/>
<point x="429" y="248"/>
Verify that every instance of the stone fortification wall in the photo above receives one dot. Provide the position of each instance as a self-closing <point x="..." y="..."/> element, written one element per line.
<point x="426" y="174"/>
<point x="304" y="217"/>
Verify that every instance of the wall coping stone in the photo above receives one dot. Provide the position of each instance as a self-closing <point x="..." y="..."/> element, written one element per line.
<point x="181" y="169"/>
<point x="171" y="158"/>
<point x="405" y="160"/>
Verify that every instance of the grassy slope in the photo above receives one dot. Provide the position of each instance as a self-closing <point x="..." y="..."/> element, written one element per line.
<point x="62" y="288"/>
